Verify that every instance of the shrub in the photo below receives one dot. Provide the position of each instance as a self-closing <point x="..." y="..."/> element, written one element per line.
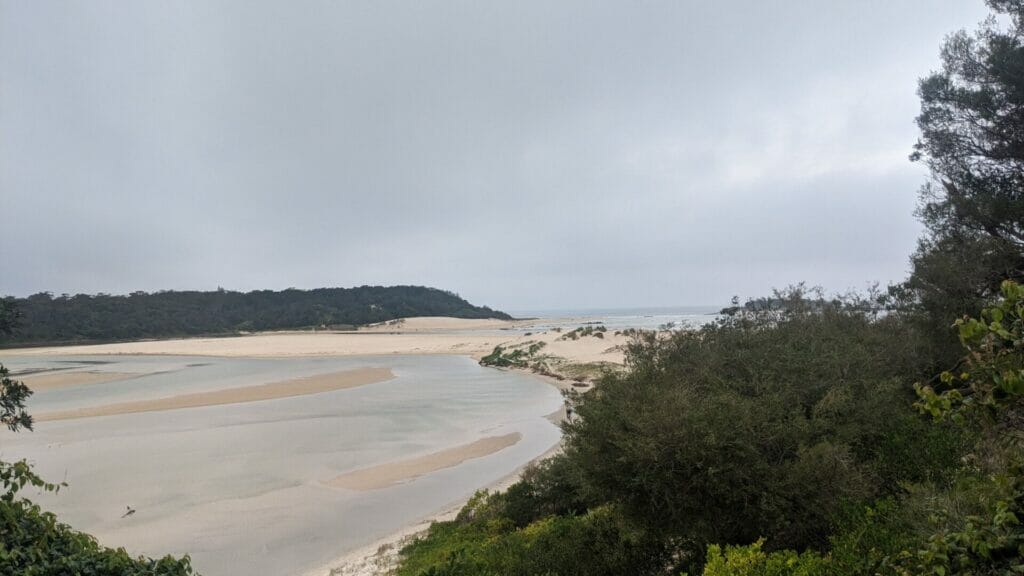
<point x="598" y="543"/>
<point x="761" y="426"/>
<point x="752" y="560"/>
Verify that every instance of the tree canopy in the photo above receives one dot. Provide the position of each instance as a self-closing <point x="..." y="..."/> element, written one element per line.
<point x="103" y="317"/>
<point x="972" y="141"/>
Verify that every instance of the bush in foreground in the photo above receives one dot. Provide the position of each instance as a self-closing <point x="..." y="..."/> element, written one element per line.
<point x="483" y="541"/>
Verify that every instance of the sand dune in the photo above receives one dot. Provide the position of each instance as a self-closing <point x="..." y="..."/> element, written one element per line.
<point x="392" y="473"/>
<point x="283" y="389"/>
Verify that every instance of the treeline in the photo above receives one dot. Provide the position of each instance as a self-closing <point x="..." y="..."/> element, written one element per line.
<point x="103" y="317"/>
<point x="809" y="436"/>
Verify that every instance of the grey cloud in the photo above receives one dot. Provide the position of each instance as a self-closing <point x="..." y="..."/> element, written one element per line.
<point x="524" y="154"/>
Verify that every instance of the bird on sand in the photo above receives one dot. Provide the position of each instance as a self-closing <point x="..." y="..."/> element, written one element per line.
<point x="129" y="512"/>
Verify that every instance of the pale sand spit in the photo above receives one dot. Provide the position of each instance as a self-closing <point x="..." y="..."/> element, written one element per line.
<point x="57" y="380"/>
<point x="392" y="473"/>
<point x="413" y="336"/>
<point x="295" y="387"/>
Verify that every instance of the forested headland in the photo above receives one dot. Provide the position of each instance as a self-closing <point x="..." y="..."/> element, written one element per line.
<point x="45" y="319"/>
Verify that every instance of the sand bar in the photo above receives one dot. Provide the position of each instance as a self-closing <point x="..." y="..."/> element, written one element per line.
<point x="428" y="335"/>
<point x="287" y="388"/>
<point x="57" y="380"/>
<point x="393" y="473"/>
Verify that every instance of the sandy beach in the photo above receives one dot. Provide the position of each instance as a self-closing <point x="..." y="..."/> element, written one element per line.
<point x="428" y="335"/>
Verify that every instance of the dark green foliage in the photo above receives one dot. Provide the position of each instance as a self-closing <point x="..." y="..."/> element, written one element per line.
<point x="542" y="525"/>
<point x="758" y="426"/>
<point x="752" y="560"/>
<point x="523" y="355"/>
<point x="969" y="524"/>
<point x="869" y="536"/>
<point x="584" y="331"/>
<point x="986" y="392"/>
<point x="983" y="536"/>
<point x="989" y="383"/>
<point x="551" y="487"/>
<point x="496" y="358"/>
<point x="952" y="276"/>
<point x="484" y="542"/>
<point x="972" y="140"/>
<point x="502" y="358"/>
<point x="46" y="319"/>
<point x="771" y="424"/>
<point x="13" y="395"/>
<point x="9" y="316"/>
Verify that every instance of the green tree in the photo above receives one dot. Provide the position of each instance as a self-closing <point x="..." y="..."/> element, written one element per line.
<point x="13" y="393"/>
<point x="985" y="392"/>
<point x="970" y="524"/>
<point x="753" y="561"/>
<point x="103" y="317"/>
<point x="8" y="316"/>
<point x="763" y="426"/>
<point x="972" y="141"/>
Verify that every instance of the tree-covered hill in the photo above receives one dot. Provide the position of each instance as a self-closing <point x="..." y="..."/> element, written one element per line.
<point x="83" y="317"/>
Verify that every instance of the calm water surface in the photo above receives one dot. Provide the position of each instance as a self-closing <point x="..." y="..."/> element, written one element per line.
<point x="238" y="486"/>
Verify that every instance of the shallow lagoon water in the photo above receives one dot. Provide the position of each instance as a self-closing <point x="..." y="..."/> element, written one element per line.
<point x="238" y="486"/>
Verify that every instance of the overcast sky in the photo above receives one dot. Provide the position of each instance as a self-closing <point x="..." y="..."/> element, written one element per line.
<point x="527" y="155"/>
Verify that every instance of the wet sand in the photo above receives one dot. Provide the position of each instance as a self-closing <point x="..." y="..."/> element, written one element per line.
<point x="392" y="473"/>
<point x="58" y="380"/>
<point x="284" y="389"/>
